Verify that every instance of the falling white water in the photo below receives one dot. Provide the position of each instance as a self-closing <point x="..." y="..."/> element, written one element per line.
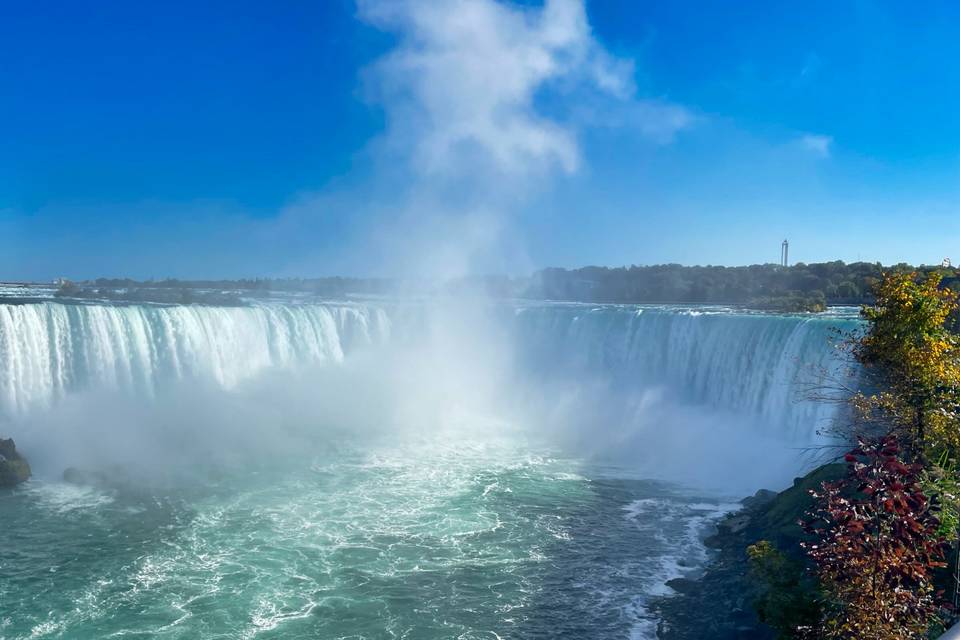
<point x="724" y="362"/>
<point x="494" y="469"/>
<point x="48" y="350"/>
<point x="752" y="364"/>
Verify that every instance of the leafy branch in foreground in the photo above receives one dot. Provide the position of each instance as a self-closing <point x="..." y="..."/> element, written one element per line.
<point x="879" y="538"/>
<point x="912" y="359"/>
<point x="877" y="545"/>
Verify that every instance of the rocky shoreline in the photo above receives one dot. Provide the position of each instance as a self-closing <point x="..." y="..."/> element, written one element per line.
<point x="719" y="604"/>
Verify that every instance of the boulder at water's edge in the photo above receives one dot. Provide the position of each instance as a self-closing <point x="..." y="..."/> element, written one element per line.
<point x="13" y="466"/>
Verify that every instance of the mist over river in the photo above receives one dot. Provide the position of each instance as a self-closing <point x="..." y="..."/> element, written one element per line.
<point x="385" y="469"/>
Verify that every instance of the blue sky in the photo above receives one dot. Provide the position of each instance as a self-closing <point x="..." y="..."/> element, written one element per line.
<point x="238" y="139"/>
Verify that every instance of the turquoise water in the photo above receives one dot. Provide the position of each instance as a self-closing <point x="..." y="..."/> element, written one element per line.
<point x="366" y="470"/>
<point x="406" y="540"/>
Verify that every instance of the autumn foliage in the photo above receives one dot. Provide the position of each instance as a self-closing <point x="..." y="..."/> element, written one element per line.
<point x="878" y="536"/>
<point x="876" y="546"/>
<point x="912" y="360"/>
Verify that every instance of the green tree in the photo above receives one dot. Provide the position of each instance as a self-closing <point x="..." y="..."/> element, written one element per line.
<point x="789" y="601"/>
<point x="912" y="360"/>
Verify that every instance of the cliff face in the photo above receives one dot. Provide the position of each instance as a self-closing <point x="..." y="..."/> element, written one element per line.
<point x="720" y="605"/>
<point x="14" y="468"/>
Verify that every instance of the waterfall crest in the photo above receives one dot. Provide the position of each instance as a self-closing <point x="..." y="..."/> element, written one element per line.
<point x="747" y="363"/>
<point x="735" y="361"/>
<point x="48" y="349"/>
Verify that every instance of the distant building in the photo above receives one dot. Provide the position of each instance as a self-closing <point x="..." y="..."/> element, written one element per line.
<point x="784" y="254"/>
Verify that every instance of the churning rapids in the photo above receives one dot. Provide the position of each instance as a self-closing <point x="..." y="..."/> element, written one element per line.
<point x="384" y="469"/>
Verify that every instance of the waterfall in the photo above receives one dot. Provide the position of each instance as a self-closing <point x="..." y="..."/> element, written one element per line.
<point x="745" y="363"/>
<point x="753" y="364"/>
<point x="48" y="349"/>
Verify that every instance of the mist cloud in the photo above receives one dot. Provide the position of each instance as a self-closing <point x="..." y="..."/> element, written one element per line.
<point x="485" y="102"/>
<point x="466" y="77"/>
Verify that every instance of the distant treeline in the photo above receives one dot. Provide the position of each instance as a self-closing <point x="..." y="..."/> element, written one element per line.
<point x="233" y="292"/>
<point x="252" y="286"/>
<point x="800" y="287"/>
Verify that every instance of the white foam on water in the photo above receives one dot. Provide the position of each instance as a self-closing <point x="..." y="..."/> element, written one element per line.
<point x="63" y="497"/>
<point x="684" y="553"/>
<point x="435" y="507"/>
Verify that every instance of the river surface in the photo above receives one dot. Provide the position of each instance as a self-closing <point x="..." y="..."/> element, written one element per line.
<point x="473" y="540"/>
<point x="372" y="471"/>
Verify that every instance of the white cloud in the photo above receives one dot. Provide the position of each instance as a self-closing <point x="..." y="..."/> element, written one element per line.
<point x="464" y="79"/>
<point x="819" y="145"/>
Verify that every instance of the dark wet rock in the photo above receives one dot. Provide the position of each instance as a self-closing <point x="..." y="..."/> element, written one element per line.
<point x="719" y="605"/>
<point x="759" y="499"/>
<point x="14" y="468"/>
<point x="682" y="585"/>
<point x="735" y="523"/>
